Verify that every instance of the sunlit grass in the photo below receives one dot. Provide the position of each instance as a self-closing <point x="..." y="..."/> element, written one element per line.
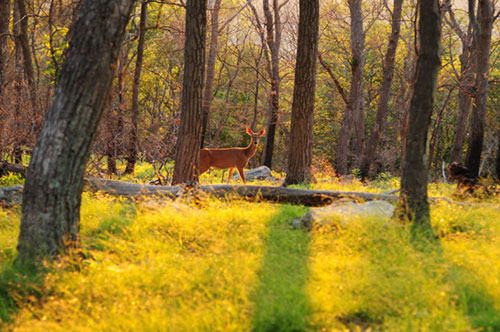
<point x="155" y="265"/>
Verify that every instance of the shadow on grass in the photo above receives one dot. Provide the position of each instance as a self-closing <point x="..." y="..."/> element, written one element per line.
<point x="19" y="283"/>
<point x="281" y="302"/>
<point x="472" y="296"/>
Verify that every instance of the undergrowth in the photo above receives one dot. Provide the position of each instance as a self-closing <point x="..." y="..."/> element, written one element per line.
<point x="155" y="265"/>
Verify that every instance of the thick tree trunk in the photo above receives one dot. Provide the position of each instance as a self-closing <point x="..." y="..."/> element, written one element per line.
<point x="413" y="204"/>
<point x="385" y="90"/>
<point x="483" y="30"/>
<point x="354" y="113"/>
<point x="188" y="143"/>
<point x="300" y="149"/>
<point x="209" y="79"/>
<point x="133" y="143"/>
<point x="50" y="223"/>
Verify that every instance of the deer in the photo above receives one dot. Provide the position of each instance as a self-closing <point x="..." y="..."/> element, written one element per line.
<point x="230" y="157"/>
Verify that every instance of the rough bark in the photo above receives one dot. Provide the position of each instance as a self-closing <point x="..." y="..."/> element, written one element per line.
<point x="300" y="150"/>
<point x="482" y="34"/>
<point x="384" y="94"/>
<point x="353" y="119"/>
<point x="50" y="223"/>
<point x="188" y="143"/>
<point x="209" y="78"/>
<point x="133" y="143"/>
<point x="413" y="204"/>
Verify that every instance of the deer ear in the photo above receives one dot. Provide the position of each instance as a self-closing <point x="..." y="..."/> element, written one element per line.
<point x="262" y="132"/>
<point x="249" y="132"/>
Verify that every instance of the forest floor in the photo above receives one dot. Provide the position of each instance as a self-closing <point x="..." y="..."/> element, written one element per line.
<point x="239" y="266"/>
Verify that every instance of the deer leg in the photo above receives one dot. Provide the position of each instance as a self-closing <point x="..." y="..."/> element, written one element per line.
<point x="242" y="174"/>
<point x="230" y="174"/>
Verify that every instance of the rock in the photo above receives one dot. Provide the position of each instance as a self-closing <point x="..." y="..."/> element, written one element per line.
<point x="258" y="173"/>
<point x="11" y="196"/>
<point x="341" y="212"/>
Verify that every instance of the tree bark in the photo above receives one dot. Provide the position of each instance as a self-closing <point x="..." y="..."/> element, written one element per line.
<point x="273" y="40"/>
<point x="465" y="84"/>
<point x="50" y="223"/>
<point x="209" y="79"/>
<point x="385" y="90"/>
<point x="497" y="162"/>
<point x="188" y="143"/>
<point x="482" y="44"/>
<point x="4" y="32"/>
<point x="413" y="204"/>
<point x="133" y="143"/>
<point x="353" y="119"/>
<point x="29" y="72"/>
<point x="300" y="150"/>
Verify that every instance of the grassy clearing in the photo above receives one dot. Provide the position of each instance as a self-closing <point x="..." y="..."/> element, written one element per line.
<point x="238" y="266"/>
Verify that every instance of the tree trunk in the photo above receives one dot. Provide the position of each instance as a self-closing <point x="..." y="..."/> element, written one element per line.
<point x="188" y="143"/>
<point x="133" y="143"/>
<point x="273" y="40"/>
<point x="465" y="84"/>
<point x="50" y="223"/>
<point x="4" y="32"/>
<point x="354" y="113"/>
<point x="4" y="37"/>
<point x="29" y="72"/>
<point x="385" y="90"/>
<point x="300" y="149"/>
<point x="482" y="35"/>
<point x="209" y="79"/>
<point x="413" y="204"/>
<point x="497" y="163"/>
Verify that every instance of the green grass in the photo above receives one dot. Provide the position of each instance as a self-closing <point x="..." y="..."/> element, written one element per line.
<point x="239" y="266"/>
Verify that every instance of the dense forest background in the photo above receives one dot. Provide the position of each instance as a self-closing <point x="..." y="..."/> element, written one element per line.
<point x="251" y="49"/>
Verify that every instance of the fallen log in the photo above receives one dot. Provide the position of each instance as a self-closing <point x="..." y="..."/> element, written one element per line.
<point x="12" y="168"/>
<point x="305" y="197"/>
<point x="266" y="193"/>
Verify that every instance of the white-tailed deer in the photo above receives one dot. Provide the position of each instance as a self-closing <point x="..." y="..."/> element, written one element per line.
<point x="230" y="157"/>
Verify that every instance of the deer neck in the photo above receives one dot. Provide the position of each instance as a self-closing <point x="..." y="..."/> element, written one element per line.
<point x="251" y="148"/>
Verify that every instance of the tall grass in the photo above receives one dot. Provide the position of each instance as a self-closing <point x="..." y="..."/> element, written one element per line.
<point x="238" y="266"/>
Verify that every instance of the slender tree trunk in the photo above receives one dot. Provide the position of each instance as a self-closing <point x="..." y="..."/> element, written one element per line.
<point x="385" y="90"/>
<point x="29" y="72"/>
<point x="4" y="32"/>
<point x="273" y="40"/>
<point x="413" y="204"/>
<point x="209" y="79"/>
<point x="115" y="118"/>
<point x="188" y="144"/>
<point x="497" y="162"/>
<point x="465" y="83"/>
<point x="300" y="149"/>
<point x="19" y="117"/>
<point x="133" y="143"/>
<point x="50" y="223"/>
<point x="354" y="113"/>
<point x="482" y="35"/>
